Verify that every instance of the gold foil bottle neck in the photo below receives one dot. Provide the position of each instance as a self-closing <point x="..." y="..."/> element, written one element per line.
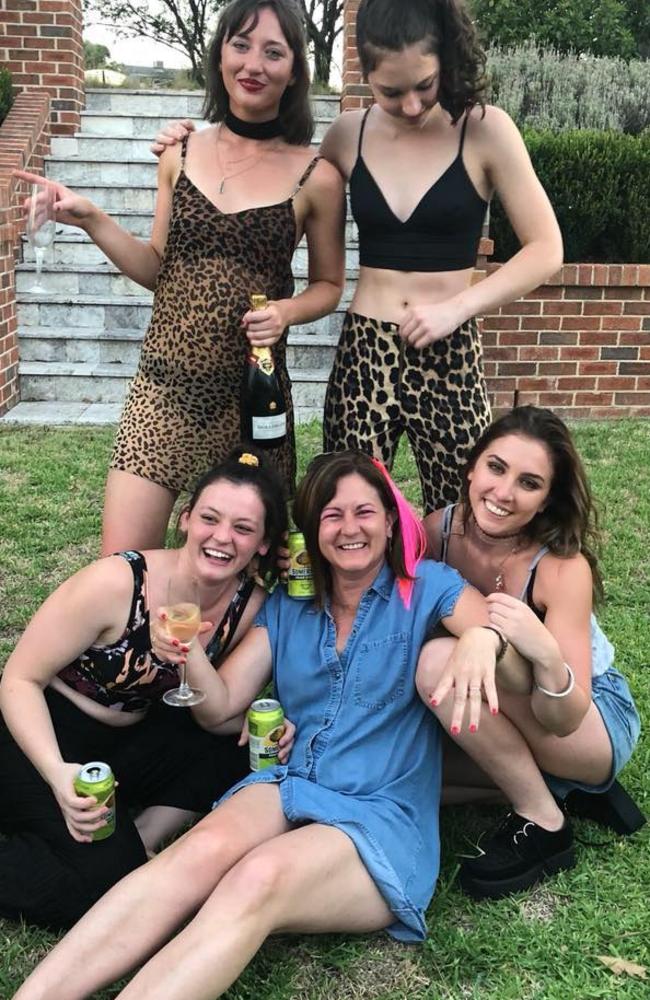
<point x="258" y="301"/>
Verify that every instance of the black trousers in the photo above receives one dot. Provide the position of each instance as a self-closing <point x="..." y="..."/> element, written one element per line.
<point x="47" y="877"/>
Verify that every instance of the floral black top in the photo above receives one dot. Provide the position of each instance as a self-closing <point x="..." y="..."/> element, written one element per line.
<point x="125" y="675"/>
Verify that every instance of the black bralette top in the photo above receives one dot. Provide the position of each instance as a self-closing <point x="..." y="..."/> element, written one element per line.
<point x="441" y="234"/>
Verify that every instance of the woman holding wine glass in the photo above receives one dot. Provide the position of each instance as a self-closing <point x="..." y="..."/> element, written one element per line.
<point x="84" y="684"/>
<point x="232" y="204"/>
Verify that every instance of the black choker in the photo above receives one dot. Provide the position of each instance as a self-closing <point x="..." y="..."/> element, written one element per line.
<point x="253" y="130"/>
<point x="493" y="538"/>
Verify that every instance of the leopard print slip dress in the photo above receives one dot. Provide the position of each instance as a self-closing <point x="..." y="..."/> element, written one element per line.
<point x="182" y="412"/>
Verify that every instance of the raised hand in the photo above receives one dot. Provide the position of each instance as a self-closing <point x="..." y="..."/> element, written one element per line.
<point x="69" y="208"/>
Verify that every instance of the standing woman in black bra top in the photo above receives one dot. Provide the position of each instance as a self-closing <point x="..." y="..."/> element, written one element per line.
<point x="423" y="163"/>
<point x="231" y="206"/>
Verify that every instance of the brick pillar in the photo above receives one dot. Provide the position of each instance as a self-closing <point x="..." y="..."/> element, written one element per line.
<point x="354" y="92"/>
<point x="24" y="141"/>
<point x="41" y="46"/>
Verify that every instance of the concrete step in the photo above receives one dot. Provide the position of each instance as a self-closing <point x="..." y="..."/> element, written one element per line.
<point x="125" y="172"/>
<point x="126" y="136"/>
<point x="177" y="103"/>
<point x="102" y="279"/>
<point x="92" y="345"/>
<point x="72" y="248"/>
<point x="120" y="312"/>
<point x="61" y="414"/>
<point x="67" y="382"/>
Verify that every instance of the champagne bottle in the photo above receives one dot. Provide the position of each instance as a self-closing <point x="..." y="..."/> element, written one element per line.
<point x="263" y="411"/>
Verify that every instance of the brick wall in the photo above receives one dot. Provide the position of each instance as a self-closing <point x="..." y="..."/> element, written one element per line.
<point x="24" y="141"/>
<point x="354" y="92"/>
<point x="580" y="344"/>
<point x="41" y="46"/>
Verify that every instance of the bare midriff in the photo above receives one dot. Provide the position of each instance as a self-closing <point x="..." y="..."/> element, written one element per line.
<point x="111" y="716"/>
<point x="386" y="295"/>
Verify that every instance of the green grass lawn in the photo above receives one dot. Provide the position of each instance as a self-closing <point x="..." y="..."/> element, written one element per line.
<point x="541" y="945"/>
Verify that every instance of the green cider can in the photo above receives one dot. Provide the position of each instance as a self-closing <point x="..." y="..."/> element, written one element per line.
<point x="265" y="727"/>
<point x="300" y="581"/>
<point x="97" y="779"/>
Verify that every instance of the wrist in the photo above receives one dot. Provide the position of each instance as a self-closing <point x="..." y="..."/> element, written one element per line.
<point x="462" y="307"/>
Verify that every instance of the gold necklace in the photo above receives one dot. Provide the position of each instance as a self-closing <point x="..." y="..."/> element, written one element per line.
<point x="499" y="579"/>
<point x="226" y="176"/>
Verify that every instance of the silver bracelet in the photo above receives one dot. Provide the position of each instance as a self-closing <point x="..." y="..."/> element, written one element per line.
<point x="560" y="694"/>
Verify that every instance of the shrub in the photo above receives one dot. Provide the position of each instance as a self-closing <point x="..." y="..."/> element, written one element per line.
<point x="598" y="186"/>
<point x="547" y="90"/>
<point x="6" y="93"/>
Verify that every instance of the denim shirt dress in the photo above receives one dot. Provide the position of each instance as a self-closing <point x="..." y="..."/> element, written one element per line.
<point x="366" y="757"/>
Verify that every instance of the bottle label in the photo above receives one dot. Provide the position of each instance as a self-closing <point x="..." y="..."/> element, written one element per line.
<point x="262" y="357"/>
<point x="269" y="427"/>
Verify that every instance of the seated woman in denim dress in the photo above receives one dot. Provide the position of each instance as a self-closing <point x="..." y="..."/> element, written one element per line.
<point x="344" y="838"/>
<point x="522" y="534"/>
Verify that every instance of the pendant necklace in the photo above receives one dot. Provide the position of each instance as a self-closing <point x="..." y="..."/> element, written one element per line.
<point x="242" y="170"/>
<point x="488" y="539"/>
<point x="499" y="579"/>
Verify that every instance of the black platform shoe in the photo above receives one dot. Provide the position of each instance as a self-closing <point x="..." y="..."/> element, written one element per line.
<point x="613" y="808"/>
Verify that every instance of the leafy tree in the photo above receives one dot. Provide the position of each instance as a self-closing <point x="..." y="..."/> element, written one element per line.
<point x="182" y="25"/>
<point x="95" y="55"/>
<point x="601" y="27"/>
<point x="638" y="21"/>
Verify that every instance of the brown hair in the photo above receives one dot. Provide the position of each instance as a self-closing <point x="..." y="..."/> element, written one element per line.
<point x="264" y="479"/>
<point x="315" y="491"/>
<point x="568" y="524"/>
<point x="241" y="17"/>
<point x="447" y="30"/>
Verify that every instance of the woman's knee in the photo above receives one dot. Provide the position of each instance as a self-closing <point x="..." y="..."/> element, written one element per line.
<point x="431" y="664"/>
<point x="204" y="853"/>
<point x="256" y="882"/>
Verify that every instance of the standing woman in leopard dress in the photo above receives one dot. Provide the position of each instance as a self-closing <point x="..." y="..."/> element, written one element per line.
<point x="233" y="201"/>
<point x="422" y="164"/>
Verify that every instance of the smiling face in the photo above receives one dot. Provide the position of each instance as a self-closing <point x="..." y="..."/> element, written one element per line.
<point x="510" y="484"/>
<point x="354" y="528"/>
<point x="256" y="67"/>
<point x="405" y="84"/>
<point x="225" y="529"/>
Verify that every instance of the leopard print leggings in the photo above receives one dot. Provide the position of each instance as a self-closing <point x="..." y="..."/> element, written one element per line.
<point x="381" y="387"/>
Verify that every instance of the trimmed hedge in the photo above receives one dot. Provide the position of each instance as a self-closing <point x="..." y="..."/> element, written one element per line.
<point x="598" y="183"/>
<point x="6" y="94"/>
<point x="542" y="88"/>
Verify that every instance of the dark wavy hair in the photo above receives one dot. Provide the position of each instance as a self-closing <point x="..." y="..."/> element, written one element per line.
<point x="568" y="524"/>
<point x="315" y="491"/>
<point x="267" y="484"/>
<point x="241" y="17"/>
<point x="447" y="30"/>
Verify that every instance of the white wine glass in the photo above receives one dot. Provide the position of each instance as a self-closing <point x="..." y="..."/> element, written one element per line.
<point x="41" y="226"/>
<point x="183" y="622"/>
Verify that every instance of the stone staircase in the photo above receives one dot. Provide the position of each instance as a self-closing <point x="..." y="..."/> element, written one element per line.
<point x="80" y="340"/>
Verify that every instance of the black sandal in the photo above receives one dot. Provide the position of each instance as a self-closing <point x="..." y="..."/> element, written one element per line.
<point x="613" y="808"/>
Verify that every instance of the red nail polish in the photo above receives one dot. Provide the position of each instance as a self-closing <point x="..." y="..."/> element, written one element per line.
<point x="434" y="702"/>
<point x="175" y="642"/>
<point x="473" y="728"/>
<point x="455" y="730"/>
<point x="495" y="711"/>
